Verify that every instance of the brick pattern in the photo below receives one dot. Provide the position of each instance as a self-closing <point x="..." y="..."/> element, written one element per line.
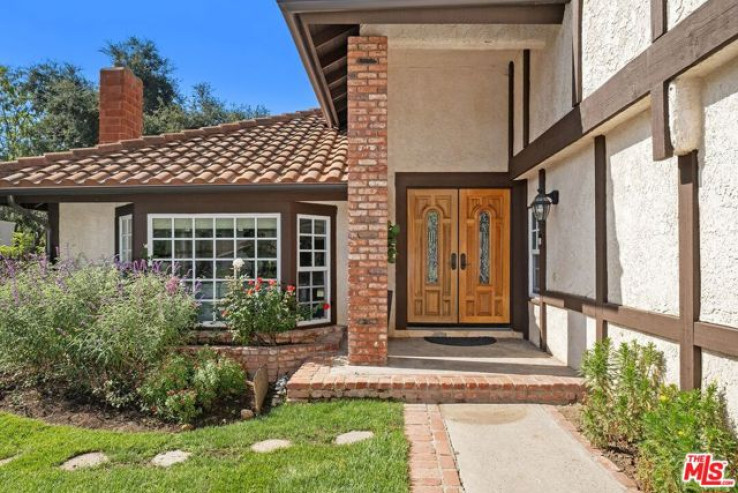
<point x="627" y="483"/>
<point x="315" y="381"/>
<point x="367" y="200"/>
<point x="433" y="467"/>
<point x="280" y="360"/>
<point x="121" y="105"/>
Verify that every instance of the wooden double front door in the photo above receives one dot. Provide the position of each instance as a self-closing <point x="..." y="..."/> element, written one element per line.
<point x="458" y="256"/>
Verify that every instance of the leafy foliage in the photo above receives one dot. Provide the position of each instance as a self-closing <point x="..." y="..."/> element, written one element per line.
<point x="682" y="423"/>
<point x="621" y="386"/>
<point x="255" y="311"/>
<point x="393" y="231"/>
<point x="184" y="386"/>
<point x="51" y="106"/>
<point x="90" y="329"/>
<point x="24" y="244"/>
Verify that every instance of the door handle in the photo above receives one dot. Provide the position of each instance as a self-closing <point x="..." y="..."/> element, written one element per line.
<point x="463" y="261"/>
<point x="453" y="261"/>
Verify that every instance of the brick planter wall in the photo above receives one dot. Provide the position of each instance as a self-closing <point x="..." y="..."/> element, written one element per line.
<point x="297" y="347"/>
<point x="367" y="200"/>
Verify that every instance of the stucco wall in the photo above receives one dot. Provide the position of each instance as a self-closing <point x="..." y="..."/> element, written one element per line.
<point x="718" y="197"/>
<point x="550" y="79"/>
<point x="87" y="230"/>
<point x="569" y="335"/>
<point x="570" y="244"/>
<point x="534" y="324"/>
<point x="613" y="33"/>
<point x="619" y="335"/>
<point x="678" y="10"/>
<point x="723" y="370"/>
<point x="642" y="224"/>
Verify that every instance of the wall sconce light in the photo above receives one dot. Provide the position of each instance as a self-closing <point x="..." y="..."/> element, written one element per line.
<point x="541" y="205"/>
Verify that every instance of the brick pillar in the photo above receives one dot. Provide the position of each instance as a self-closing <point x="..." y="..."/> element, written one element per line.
<point x="367" y="200"/>
<point x="121" y="105"/>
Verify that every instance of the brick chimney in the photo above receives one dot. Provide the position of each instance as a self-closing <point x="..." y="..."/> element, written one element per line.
<point x="121" y="105"/>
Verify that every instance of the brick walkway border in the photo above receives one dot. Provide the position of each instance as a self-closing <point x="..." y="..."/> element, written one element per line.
<point x="433" y="466"/>
<point x="315" y="381"/>
<point x="597" y="453"/>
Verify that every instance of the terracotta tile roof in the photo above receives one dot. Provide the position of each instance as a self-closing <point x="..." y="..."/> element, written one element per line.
<point x="284" y="149"/>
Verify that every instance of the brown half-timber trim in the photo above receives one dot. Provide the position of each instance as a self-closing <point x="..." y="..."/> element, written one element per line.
<point x="660" y="130"/>
<point x="526" y="97"/>
<point x="121" y="211"/>
<point x="716" y="337"/>
<point x="576" y="38"/>
<point x="658" y="18"/>
<point x="542" y="270"/>
<point x="708" y="29"/>
<point x="601" y="280"/>
<point x="518" y="272"/>
<point x="690" y="356"/>
<point x="52" y="245"/>
<point x="510" y="111"/>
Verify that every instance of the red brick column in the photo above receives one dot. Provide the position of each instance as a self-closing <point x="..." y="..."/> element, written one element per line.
<point x="367" y="200"/>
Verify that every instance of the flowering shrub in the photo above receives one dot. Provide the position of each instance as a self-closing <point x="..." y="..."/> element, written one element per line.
<point x="255" y="310"/>
<point x="184" y="387"/>
<point x="91" y="329"/>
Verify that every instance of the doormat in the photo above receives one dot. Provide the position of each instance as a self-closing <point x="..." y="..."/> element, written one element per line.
<point x="462" y="341"/>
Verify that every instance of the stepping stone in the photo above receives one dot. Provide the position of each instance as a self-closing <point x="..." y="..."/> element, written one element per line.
<point x="168" y="459"/>
<point x="270" y="446"/>
<point x="84" y="461"/>
<point x="353" y="437"/>
<point x="7" y="460"/>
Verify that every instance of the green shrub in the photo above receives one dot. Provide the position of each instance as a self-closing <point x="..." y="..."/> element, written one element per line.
<point x="23" y="244"/>
<point x="255" y="311"/>
<point x="681" y="423"/>
<point x="91" y="329"/>
<point x="621" y="386"/>
<point x="184" y="386"/>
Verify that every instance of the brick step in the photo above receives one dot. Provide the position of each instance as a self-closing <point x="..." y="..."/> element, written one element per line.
<point x="320" y="381"/>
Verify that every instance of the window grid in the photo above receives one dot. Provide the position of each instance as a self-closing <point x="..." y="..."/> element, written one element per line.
<point x="200" y="248"/>
<point x="125" y="238"/>
<point x="534" y="240"/>
<point x="313" y="267"/>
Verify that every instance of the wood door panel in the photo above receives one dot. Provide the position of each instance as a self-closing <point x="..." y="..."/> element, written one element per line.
<point x="484" y="233"/>
<point x="432" y="239"/>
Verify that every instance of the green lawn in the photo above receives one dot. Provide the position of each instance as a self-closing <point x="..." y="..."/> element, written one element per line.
<point x="221" y="459"/>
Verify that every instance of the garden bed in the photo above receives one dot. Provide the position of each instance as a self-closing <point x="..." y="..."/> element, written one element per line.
<point x="292" y="348"/>
<point x="56" y="407"/>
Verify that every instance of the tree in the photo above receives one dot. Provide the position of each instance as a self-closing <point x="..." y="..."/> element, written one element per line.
<point x="67" y="105"/>
<point x="143" y="58"/>
<point x="17" y="116"/>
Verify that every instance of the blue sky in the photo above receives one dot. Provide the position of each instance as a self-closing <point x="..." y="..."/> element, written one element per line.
<point x="242" y="47"/>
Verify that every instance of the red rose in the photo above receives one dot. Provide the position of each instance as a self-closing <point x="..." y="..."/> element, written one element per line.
<point x="250" y="292"/>
<point x="290" y="288"/>
<point x="326" y="306"/>
<point x="251" y="282"/>
<point x="272" y="282"/>
<point x="259" y="280"/>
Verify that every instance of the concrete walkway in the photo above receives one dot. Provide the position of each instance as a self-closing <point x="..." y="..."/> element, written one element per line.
<point x="510" y="448"/>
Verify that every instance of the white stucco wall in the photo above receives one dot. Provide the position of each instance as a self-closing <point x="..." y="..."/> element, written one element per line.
<point x="642" y="224"/>
<point x="613" y="33"/>
<point x="718" y="197"/>
<point x="678" y="10"/>
<point x="550" y="79"/>
<point x="87" y="230"/>
<point x="723" y="370"/>
<point x="534" y="324"/>
<point x="569" y="335"/>
<point x="570" y="243"/>
<point x="619" y="335"/>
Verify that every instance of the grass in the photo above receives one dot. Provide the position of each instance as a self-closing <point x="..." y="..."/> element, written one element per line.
<point x="221" y="459"/>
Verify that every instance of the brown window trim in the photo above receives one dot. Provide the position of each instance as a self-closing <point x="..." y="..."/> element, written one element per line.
<point x="125" y="210"/>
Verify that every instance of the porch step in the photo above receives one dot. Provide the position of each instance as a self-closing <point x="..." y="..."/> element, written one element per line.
<point x="323" y="380"/>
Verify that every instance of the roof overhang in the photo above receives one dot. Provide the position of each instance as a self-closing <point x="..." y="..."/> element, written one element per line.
<point x="321" y="29"/>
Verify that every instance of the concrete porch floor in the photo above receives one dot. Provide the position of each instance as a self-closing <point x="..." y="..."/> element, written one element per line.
<point x="509" y="371"/>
